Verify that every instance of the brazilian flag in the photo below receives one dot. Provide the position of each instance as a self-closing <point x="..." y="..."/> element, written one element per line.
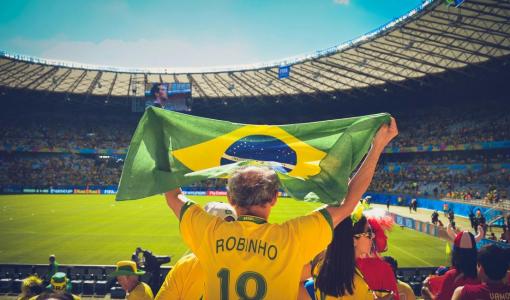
<point x="313" y="160"/>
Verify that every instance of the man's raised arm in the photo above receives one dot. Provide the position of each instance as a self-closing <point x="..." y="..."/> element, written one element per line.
<point x="176" y="200"/>
<point x="361" y="180"/>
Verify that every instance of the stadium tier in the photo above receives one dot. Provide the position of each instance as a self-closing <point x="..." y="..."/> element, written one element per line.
<point x="443" y="150"/>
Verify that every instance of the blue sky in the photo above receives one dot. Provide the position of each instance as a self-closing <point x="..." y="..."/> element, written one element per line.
<point x="159" y="33"/>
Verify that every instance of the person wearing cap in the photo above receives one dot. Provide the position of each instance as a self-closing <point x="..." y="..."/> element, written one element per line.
<point x="59" y="283"/>
<point x="127" y="274"/>
<point x="251" y="258"/>
<point x="186" y="279"/>
<point x="492" y="265"/>
<point x="463" y="269"/>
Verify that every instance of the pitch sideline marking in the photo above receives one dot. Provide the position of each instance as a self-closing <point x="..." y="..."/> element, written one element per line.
<point x="409" y="254"/>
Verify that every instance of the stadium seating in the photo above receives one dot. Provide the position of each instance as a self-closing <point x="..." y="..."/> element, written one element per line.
<point x="116" y="292"/>
<point x="97" y="283"/>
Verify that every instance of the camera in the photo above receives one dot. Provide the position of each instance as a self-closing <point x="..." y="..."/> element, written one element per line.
<point x="151" y="264"/>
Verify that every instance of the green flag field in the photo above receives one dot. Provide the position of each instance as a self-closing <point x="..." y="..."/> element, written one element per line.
<point x="96" y="229"/>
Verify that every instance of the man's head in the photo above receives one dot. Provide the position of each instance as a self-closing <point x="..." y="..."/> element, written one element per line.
<point x="252" y="186"/>
<point x="59" y="282"/>
<point x="127" y="282"/>
<point x="158" y="91"/>
<point x="127" y="274"/>
<point x="492" y="263"/>
<point x="52" y="258"/>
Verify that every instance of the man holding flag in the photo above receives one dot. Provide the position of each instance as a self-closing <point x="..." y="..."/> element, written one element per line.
<point x="252" y="259"/>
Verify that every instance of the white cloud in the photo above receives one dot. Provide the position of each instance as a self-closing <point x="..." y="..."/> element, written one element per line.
<point x="140" y="53"/>
<point x="342" y="2"/>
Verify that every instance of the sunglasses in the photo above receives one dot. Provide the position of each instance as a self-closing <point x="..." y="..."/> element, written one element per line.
<point x="369" y="234"/>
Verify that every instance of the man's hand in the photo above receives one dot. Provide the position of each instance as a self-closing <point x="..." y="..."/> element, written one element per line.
<point x="361" y="180"/>
<point x="175" y="200"/>
<point x="385" y="134"/>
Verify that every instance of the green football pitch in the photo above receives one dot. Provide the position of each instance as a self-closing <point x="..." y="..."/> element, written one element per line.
<point x="95" y="229"/>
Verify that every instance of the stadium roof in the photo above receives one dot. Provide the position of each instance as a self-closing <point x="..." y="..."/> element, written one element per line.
<point x="427" y="41"/>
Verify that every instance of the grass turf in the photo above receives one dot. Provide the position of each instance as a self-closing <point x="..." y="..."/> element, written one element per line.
<point x="95" y="229"/>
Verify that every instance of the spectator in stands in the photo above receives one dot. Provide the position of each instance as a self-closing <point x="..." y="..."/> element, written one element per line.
<point x="60" y="284"/>
<point x="186" y="279"/>
<point x="369" y="272"/>
<point x="376" y="272"/>
<point x="463" y="269"/>
<point x="253" y="191"/>
<point x="128" y="277"/>
<point x="492" y="269"/>
<point x="159" y="92"/>
<point x="53" y="266"/>
<point x="405" y="292"/>
<point x="335" y="272"/>
<point x="30" y="287"/>
<point x="55" y="296"/>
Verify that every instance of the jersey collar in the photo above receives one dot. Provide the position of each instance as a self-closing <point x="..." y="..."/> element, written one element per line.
<point x="253" y="219"/>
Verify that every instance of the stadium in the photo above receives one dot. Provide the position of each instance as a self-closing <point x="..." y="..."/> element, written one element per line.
<point x="441" y="70"/>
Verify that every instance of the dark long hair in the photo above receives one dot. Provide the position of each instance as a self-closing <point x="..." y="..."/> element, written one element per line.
<point x="336" y="275"/>
<point x="464" y="260"/>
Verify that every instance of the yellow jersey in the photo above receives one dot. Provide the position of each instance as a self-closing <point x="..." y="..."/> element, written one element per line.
<point x="250" y="258"/>
<point x="185" y="281"/>
<point x="405" y="292"/>
<point x="141" y="292"/>
<point x="361" y="291"/>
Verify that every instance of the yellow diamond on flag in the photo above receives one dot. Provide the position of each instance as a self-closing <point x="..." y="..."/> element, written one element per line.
<point x="254" y="142"/>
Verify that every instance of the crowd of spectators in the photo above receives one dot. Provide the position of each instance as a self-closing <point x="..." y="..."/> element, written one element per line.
<point x="442" y="127"/>
<point x="68" y="132"/>
<point x="424" y="176"/>
<point x="432" y="127"/>
<point x="459" y="174"/>
<point x="59" y="170"/>
<point x="463" y="176"/>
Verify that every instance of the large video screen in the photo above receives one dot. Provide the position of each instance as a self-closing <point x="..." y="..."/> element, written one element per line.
<point x="174" y="96"/>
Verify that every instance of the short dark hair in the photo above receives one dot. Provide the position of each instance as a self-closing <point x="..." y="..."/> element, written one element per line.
<point x="155" y="89"/>
<point x="494" y="261"/>
<point x="392" y="262"/>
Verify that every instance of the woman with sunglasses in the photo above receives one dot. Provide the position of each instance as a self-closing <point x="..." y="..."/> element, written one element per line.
<point x="335" y="272"/>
